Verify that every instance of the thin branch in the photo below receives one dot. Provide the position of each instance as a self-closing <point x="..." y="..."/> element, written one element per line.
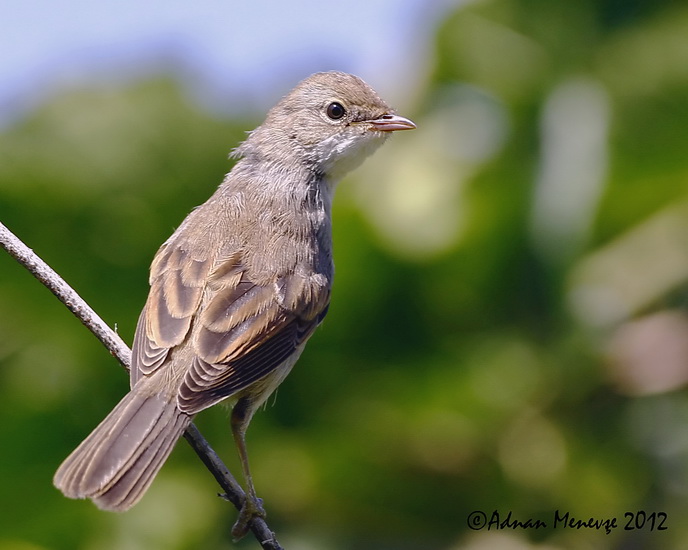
<point x="116" y="346"/>
<point x="66" y="294"/>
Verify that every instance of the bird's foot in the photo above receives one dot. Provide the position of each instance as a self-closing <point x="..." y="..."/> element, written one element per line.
<point x="252" y="507"/>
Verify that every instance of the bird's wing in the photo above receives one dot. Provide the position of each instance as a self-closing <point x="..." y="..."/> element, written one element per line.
<point x="177" y="282"/>
<point x="243" y="331"/>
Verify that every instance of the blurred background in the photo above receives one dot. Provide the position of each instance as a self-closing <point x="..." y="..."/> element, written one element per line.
<point x="517" y="340"/>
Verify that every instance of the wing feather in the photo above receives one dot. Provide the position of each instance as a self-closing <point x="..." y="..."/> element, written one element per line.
<point x="206" y="383"/>
<point x="240" y="330"/>
<point x="177" y="284"/>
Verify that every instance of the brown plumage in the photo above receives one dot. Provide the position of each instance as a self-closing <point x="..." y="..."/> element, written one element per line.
<point x="236" y="291"/>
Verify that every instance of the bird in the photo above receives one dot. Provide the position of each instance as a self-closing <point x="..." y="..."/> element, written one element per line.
<point x="236" y="291"/>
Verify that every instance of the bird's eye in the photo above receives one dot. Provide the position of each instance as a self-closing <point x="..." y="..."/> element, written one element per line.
<point x="335" y="110"/>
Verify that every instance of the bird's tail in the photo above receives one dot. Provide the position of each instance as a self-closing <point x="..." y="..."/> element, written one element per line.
<point x="116" y="463"/>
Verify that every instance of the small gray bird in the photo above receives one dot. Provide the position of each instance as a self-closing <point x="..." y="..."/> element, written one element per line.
<point x="236" y="291"/>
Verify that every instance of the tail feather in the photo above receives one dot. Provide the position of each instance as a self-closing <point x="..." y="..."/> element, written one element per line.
<point x="102" y="456"/>
<point x="133" y="483"/>
<point x="117" y="462"/>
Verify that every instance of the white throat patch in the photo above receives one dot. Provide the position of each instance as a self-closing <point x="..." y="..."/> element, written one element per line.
<point x="345" y="151"/>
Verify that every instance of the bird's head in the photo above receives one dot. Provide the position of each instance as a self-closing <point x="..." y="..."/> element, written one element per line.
<point x="330" y="121"/>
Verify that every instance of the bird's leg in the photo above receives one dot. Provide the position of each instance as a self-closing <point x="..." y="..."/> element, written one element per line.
<point x="252" y="506"/>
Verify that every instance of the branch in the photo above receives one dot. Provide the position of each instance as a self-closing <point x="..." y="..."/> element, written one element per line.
<point x="116" y="346"/>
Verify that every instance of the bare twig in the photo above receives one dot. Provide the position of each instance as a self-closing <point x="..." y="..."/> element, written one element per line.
<point x="66" y="294"/>
<point x="116" y="346"/>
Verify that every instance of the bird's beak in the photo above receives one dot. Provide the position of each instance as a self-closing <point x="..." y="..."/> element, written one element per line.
<point x="391" y="123"/>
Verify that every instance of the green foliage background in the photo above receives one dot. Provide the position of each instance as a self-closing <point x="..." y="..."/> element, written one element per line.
<point x="508" y="327"/>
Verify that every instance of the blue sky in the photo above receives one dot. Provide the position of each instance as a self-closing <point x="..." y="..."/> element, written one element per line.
<point x="222" y="49"/>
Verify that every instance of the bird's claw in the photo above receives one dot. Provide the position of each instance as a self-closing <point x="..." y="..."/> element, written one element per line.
<point x="252" y="507"/>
